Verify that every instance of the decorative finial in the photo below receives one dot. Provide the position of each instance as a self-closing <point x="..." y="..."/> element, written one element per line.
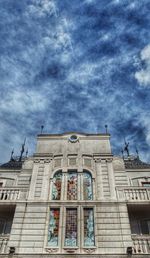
<point x="22" y="150"/>
<point x="11" y="157"/>
<point x="26" y="153"/>
<point x="42" y="127"/>
<point x="126" y="147"/>
<point x="106" y="128"/>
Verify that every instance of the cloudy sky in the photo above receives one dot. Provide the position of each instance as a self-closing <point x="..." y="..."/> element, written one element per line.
<point x="75" y="65"/>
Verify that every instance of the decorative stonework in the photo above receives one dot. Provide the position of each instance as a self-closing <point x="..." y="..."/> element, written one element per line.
<point x="70" y="250"/>
<point x="109" y="160"/>
<point x="36" y="160"/>
<point x="97" y="160"/>
<point x="51" y="250"/>
<point x="48" y="160"/>
<point x="89" y="250"/>
<point x="73" y="138"/>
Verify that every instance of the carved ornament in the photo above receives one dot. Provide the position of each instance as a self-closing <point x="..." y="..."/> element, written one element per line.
<point x="89" y="250"/>
<point x="51" y="250"/>
<point x="97" y="160"/>
<point x="70" y="250"/>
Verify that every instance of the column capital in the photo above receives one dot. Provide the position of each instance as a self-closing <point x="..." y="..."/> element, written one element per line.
<point x="36" y="161"/>
<point x="97" y="160"/>
<point x="109" y="160"/>
<point x="48" y="160"/>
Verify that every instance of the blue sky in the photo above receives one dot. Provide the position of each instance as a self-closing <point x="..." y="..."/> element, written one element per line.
<point x="75" y="65"/>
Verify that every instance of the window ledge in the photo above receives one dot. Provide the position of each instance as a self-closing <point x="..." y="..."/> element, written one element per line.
<point x="70" y="249"/>
<point x="89" y="249"/>
<point x="52" y="249"/>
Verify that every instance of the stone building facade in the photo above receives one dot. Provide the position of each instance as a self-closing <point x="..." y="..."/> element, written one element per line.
<point x="73" y="198"/>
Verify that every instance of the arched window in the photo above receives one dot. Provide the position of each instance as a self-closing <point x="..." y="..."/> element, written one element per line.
<point x="72" y="186"/>
<point x="56" y="189"/>
<point x="87" y="186"/>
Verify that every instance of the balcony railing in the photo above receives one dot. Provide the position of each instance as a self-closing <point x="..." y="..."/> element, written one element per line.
<point x="133" y="193"/>
<point x="3" y="244"/>
<point x="12" y="194"/>
<point x="141" y="244"/>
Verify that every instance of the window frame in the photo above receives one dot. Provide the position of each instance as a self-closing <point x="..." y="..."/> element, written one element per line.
<point x="62" y="228"/>
<point x="64" y="185"/>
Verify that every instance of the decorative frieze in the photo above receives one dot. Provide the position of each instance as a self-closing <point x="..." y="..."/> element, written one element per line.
<point x="39" y="160"/>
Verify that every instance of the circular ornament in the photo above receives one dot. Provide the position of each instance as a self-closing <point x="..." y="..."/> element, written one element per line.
<point x="73" y="138"/>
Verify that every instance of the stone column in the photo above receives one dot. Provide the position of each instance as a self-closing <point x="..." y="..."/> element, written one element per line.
<point x="111" y="179"/>
<point x="65" y="183"/>
<point x="80" y="186"/>
<point x="99" y="182"/>
<point x="63" y="186"/>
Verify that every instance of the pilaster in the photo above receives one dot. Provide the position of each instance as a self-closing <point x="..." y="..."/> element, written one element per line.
<point x="111" y="177"/>
<point x="33" y="179"/>
<point x="99" y="184"/>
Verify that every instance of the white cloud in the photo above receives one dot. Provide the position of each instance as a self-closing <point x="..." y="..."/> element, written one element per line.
<point x="21" y="101"/>
<point x="89" y="1"/>
<point x="84" y="73"/>
<point x="143" y="76"/>
<point x="42" y="7"/>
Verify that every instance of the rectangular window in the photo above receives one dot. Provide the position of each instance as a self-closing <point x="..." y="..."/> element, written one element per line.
<point x="145" y="227"/>
<point x="53" y="227"/>
<point x="89" y="238"/>
<point x="71" y="227"/>
<point x="146" y="184"/>
<point x="72" y="186"/>
<point x="5" y="226"/>
<point x="2" y="226"/>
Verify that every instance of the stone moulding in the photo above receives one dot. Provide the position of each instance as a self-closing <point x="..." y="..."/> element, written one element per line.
<point x="70" y="250"/>
<point x="89" y="250"/>
<point x="52" y="250"/>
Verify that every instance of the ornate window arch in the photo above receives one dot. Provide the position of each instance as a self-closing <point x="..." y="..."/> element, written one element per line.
<point x="87" y="185"/>
<point x="57" y="185"/>
<point x="72" y="185"/>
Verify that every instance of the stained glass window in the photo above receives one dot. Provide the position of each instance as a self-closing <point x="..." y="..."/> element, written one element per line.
<point x="53" y="227"/>
<point x="71" y="227"/>
<point x="72" y="186"/>
<point x="56" y="190"/>
<point x="87" y="186"/>
<point x="89" y="239"/>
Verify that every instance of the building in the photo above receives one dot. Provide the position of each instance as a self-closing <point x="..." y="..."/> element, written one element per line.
<point x="73" y="198"/>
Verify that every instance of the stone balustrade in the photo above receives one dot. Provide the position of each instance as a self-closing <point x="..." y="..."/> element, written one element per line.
<point x="141" y="244"/>
<point x="12" y="194"/>
<point x="133" y="193"/>
<point x="3" y="244"/>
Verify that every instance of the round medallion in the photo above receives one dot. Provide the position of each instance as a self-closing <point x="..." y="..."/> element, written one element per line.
<point x="73" y="138"/>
